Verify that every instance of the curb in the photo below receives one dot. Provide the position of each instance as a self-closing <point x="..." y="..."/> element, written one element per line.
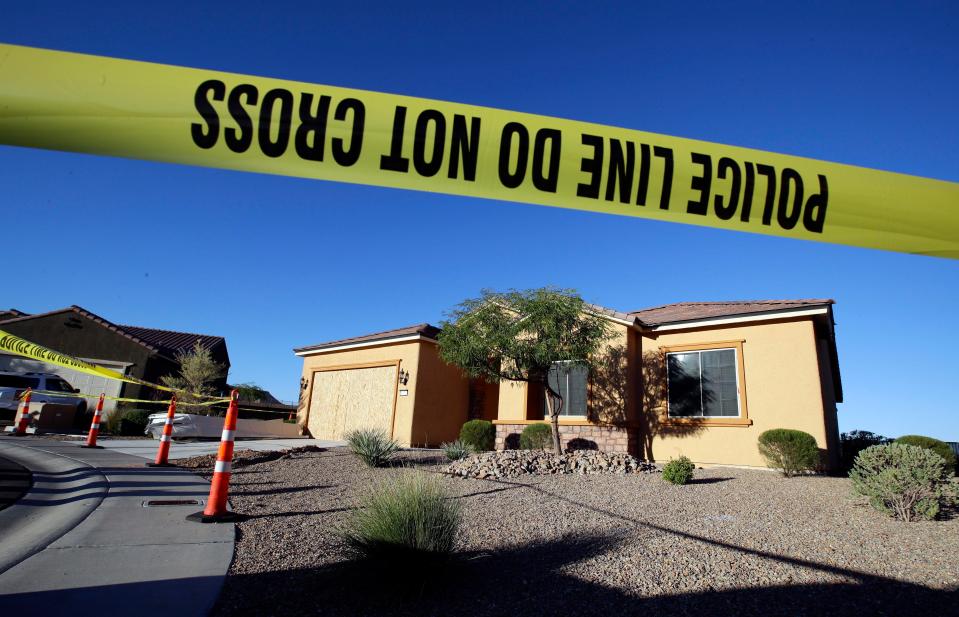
<point x="29" y="525"/>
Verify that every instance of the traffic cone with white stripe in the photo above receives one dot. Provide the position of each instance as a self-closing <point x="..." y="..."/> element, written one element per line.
<point x="163" y="452"/>
<point x="24" y="415"/>
<point x="216" y="511"/>
<point x="95" y="426"/>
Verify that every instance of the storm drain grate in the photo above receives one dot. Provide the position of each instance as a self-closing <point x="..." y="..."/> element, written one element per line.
<point x="172" y="502"/>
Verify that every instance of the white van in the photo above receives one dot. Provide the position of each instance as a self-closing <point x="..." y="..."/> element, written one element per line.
<point x="12" y="386"/>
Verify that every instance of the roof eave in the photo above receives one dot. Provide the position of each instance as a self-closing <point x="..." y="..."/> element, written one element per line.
<point x="790" y="313"/>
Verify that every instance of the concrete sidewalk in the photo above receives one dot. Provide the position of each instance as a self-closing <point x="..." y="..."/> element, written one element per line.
<point x="86" y="540"/>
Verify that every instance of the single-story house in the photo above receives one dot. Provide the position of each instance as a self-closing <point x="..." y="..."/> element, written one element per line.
<point x="700" y="379"/>
<point x="144" y="353"/>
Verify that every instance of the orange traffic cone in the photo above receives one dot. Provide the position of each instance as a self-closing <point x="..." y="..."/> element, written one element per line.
<point x="95" y="426"/>
<point x="24" y="415"/>
<point x="220" y="487"/>
<point x="163" y="452"/>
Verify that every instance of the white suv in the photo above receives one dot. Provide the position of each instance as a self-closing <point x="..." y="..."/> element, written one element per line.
<point x="12" y="385"/>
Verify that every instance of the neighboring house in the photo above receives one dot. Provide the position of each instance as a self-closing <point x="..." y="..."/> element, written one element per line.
<point x="144" y="353"/>
<point x="701" y="379"/>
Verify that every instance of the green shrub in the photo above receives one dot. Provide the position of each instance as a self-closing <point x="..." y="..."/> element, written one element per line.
<point x="479" y="435"/>
<point x="122" y="421"/>
<point x="134" y="422"/>
<point x="789" y="450"/>
<point x="939" y="447"/>
<point x="409" y="517"/>
<point x="678" y="470"/>
<point x="373" y="446"/>
<point x="902" y="480"/>
<point x="536" y="437"/>
<point x="455" y="450"/>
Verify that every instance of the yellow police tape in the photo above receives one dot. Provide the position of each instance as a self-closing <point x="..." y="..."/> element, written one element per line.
<point x="12" y="344"/>
<point x="83" y="103"/>
<point x="94" y="396"/>
<point x="121" y="399"/>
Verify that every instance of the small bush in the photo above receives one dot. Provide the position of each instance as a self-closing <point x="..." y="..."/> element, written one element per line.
<point x="134" y="422"/>
<point x="902" y="480"/>
<point x="409" y="517"/>
<point x="122" y="421"/>
<point x="678" y="470"/>
<point x="854" y="442"/>
<point x="536" y="437"/>
<point x="939" y="447"/>
<point x="456" y="450"/>
<point x="373" y="446"/>
<point x="789" y="450"/>
<point x="479" y="435"/>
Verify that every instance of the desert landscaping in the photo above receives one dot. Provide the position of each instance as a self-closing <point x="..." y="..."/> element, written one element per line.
<point x="732" y="541"/>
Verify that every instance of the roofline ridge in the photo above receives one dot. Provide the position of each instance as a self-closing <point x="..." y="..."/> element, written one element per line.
<point x="418" y="327"/>
<point x="110" y="325"/>
<point x="738" y="302"/>
<point x="170" y="331"/>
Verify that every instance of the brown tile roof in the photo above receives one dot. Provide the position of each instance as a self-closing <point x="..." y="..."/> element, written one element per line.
<point x="11" y="314"/>
<point x="170" y="342"/>
<point x="424" y="329"/>
<point x="602" y="310"/>
<point x="163" y="342"/>
<point x="692" y="311"/>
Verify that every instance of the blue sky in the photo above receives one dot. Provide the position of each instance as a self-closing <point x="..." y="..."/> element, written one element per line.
<point x="272" y="263"/>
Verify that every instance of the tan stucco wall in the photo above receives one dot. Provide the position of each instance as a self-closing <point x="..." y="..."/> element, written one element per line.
<point x="512" y="401"/>
<point x="442" y="399"/>
<point x="406" y="353"/>
<point x="782" y="390"/>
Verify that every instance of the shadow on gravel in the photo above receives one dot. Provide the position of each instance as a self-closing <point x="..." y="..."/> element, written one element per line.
<point x="529" y="579"/>
<point x="239" y="489"/>
<point x="242" y="516"/>
<point x="709" y="480"/>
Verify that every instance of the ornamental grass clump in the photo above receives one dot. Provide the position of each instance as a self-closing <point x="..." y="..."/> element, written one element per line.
<point x="374" y="447"/>
<point x="789" y="451"/>
<point x="456" y="450"/>
<point x="405" y="521"/>
<point x="678" y="470"/>
<point x="904" y="481"/>
<point x="536" y="437"/>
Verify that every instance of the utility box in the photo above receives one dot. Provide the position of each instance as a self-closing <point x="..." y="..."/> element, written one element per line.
<point x="54" y="417"/>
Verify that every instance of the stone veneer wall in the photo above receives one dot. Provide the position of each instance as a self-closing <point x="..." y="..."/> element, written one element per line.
<point x="594" y="437"/>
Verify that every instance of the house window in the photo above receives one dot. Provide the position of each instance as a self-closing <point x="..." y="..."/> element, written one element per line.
<point x="569" y="380"/>
<point x="703" y="384"/>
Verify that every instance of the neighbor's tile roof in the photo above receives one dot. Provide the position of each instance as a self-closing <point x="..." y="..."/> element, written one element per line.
<point x="423" y="329"/>
<point x="170" y="342"/>
<point x="691" y="311"/>
<point x="11" y="314"/>
<point x="164" y="342"/>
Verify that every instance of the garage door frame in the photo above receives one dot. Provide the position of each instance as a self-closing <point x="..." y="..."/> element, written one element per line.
<point x="346" y="367"/>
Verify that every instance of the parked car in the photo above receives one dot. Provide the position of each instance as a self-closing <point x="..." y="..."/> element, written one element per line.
<point x="12" y="386"/>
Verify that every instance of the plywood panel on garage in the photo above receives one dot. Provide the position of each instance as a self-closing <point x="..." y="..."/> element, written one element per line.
<point x="353" y="398"/>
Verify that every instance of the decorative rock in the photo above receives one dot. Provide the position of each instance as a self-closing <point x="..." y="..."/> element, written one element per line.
<point x="513" y="463"/>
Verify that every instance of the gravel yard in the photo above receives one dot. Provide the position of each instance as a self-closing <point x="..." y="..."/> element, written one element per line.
<point x="736" y="542"/>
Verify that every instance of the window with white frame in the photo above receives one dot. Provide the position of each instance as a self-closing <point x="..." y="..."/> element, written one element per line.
<point x="569" y="379"/>
<point x="703" y="384"/>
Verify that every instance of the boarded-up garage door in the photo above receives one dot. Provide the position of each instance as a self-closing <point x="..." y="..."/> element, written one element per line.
<point x="349" y="399"/>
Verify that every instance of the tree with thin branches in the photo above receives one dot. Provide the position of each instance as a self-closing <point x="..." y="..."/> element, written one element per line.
<point x="519" y="336"/>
